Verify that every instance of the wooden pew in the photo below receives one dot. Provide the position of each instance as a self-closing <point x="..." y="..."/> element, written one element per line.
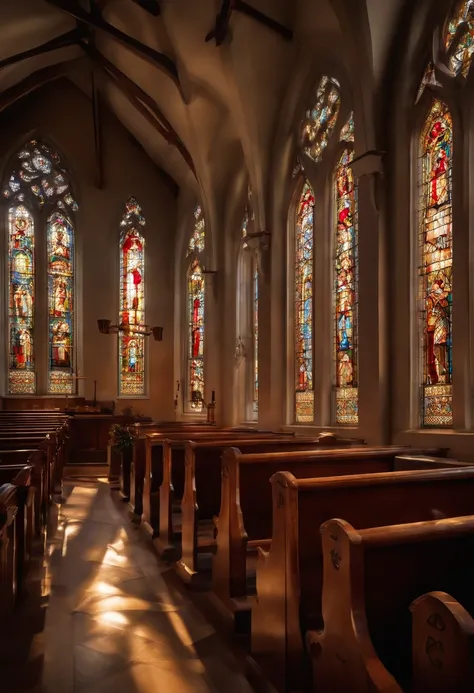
<point x="289" y="576"/>
<point x="38" y="461"/>
<point x="202" y="486"/>
<point x="133" y="467"/>
<point x="165" y="476"/>
<point x="8" y="573"/>
<point x="20" y="476"/>
<point x="442" y="645"/>
<point x="47" y="444"/>
<point x="371" y="576"/>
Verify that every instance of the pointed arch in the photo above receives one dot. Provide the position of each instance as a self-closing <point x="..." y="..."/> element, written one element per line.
<point x="303" y="305"/>
<point x="345" y="288"/>
<point x="131" y="343"/>
<point x="435" y="275"/>
<point x="195" y="355"/>
<point x="37" y="180"/>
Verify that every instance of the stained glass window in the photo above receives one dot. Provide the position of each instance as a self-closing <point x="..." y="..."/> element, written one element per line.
<point x="436" y="267"/>
<point x="60" y="253"/>
<point x="131" y="343"/>
<point x="21" y="247"/>
<point x="319" y="122"/>
<point x="304" y="240"/>
<point x="38" y="180"/>
<point x="197" y="240"/>
<point x="255" y="336"/>
<point x="196" y="336"/>
<point x="428" y="79"/>
<point x="347" y="132"/>
<point x="345" y="292"/>
<point x="460" y="55"/>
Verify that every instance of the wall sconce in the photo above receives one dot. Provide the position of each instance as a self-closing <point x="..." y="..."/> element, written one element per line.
<point x="106" y="327"/>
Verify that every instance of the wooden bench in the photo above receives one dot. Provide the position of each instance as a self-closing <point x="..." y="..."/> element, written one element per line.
<point x="133" y="463"/>
<point x="202" y="488"/>
<point x="371" y="577"/>
<point x="165" y="476"/>
<point x="442" y="645"/>
<point x="8" y="573"/>
<point x="38" y="460"/>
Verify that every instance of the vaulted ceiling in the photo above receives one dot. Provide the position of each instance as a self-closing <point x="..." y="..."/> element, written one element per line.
<point x="202" y="111"/>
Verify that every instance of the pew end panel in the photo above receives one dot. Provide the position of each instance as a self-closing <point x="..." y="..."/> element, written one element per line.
<point x="8" y="543"/>
<point x="443" y="645"/>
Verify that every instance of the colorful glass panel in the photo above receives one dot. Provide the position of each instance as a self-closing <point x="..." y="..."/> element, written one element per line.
<point x="304" y="241"/>
<point x="319" y="122"/>
<point x="196" y="336"/>
<point x="461" y="54"/>
<point x="345" y="293"/>
<point x="40" y="177"/>
<point x="131" y="343"/>
<point x="347" y="132"/>
<point x="60" y="252"/>
<point x="198" y="239"/>
<point x="255" y="337"/>
<point x="21" y="253"/>
<point x="428" y="80"/>
<point x="436" y="268"/>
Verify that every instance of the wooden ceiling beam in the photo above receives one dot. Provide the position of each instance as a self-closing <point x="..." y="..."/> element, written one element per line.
<point x="68" y="39"/>
<point x="35" y="81"/>
<point x="142" y="102"/>
<point x="221" y="27"/>
<point x="159" y="60"/>
<point x="150" y="6"/>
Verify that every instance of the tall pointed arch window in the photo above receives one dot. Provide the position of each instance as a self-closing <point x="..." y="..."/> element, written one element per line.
<point x="131" y="343"/>
<point x="303" y="306"/>
<point x="459" y="38"/>
<point x="195" y="314"/>
<point x="345" y="285"/>
<point x="436" y="265"/>
<point x="38" y="191"/>
<point x="196" y="336"/>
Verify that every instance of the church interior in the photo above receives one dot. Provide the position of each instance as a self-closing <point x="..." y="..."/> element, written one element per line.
<point x="237" y="245"/>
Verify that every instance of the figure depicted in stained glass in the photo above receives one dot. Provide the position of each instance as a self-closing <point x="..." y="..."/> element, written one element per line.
<point x="318" y="125"/>
<point x="345" y="266"/>
<point x="196" y="336"/>
<point x="21" y="249"/>
<point x="304" y="242"/>
<point x="198" y="238"/>
<point x="60" y="246"/>
<point x="436" y="145"/>
<point x="132" y="302"/>
<point x="461" y="54"/>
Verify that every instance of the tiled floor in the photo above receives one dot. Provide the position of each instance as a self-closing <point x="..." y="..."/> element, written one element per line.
<point x="101" y="617"/>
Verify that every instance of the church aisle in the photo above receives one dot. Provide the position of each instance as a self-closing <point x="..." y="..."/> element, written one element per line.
<point x="114" y="624"/>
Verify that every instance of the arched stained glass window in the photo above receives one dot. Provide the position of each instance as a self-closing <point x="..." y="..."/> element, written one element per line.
<point x="460" y="53"/>
<point x="21" y="250"/>
<point x="347" y="132"/>
<point x="255" y="336"/>
<point x="304" y="242"/>
<point x="345" y="292"/>
<point x="131" y="343"/>
<point x="198" y="239"/>
<point x="60" y="253"/>
<point x="318" y="125"/>
<point x="436" y="266"/>
<point x="196" y="336"/>
<point x="38" y="181"/>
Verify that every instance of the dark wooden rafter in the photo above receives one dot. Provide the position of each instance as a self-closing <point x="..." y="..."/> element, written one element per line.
<point x="150" y="6"/>
<point x="142" y="102"/>
<point x="221" y="27"/>
<point x="35" y="81"/>
<point x="96" y="106"/>
<point x="70" y="38"/>
<point x="159" y="60"/>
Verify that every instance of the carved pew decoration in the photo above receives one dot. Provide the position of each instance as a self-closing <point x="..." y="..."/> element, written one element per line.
<point x="371" y="576"/>
<point x="8" y="575"/>
<point x="442" y="645"/>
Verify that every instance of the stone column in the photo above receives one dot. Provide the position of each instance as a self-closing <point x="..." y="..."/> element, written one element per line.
<point x="373" y="306"/>
<point x="211" y="340"/>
